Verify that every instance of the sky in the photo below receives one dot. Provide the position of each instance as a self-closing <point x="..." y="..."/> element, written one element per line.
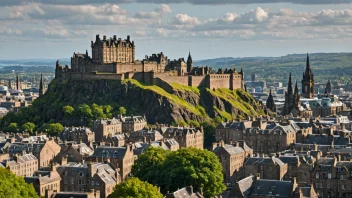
<point x="53" y="29"/>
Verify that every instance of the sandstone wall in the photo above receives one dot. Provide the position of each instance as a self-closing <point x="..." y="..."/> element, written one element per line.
<point x="219" y="81"/>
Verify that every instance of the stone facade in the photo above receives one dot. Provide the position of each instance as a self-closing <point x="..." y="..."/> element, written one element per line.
<point x="77" y="177"/>
<point x="186" y="137"/>
<point x="115" y="59"/>
<point x="133" y="123"/>
<point x="77" y="134"/>
<point x="268" y="167"/>
<point x="45" y="181"/>
<point x="73" y="152"/>
<point x="232" y="158"/>
<point x="23" y="166"/>
<point x="121" y="158"/>
<point x="106" y="127"/>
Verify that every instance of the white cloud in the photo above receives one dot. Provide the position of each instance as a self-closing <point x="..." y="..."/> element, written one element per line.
<point x="157" y="13"/>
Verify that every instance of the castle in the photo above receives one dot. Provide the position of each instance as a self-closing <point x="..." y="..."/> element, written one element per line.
<point x="114" y="59"/>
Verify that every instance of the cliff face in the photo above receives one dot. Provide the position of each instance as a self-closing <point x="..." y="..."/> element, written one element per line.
<point x="182" y="103"/>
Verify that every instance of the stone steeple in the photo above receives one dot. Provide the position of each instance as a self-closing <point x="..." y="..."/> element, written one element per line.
<point x="292" y="99"/>
<point x="18" y="83"/>
<point x="189" y="62"/>
<point x="270" y="104"/>
<point x="308" y="81"/>
<point x="289" y="86"/>
<point x="41" y="85"/>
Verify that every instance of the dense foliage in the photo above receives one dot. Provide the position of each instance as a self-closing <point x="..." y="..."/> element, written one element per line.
<point x="14" y="186"/>
<point x="134" y="188"/>
<point x="185" y="167"/>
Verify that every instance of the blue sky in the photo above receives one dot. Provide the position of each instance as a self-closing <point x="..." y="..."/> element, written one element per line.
<point x="31" y="29"/>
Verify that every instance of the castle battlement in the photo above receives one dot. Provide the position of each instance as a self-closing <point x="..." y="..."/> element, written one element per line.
<point x="114" y="59"/>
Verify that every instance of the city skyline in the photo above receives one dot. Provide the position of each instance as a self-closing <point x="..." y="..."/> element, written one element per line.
<point x="54" y="29"/>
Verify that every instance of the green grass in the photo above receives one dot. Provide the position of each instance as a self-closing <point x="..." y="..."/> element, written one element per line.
<point x="171" y="97"/>
<point x="223" y="114"/>
<point x="232" y="96"/>
<point x="180" y="87"/>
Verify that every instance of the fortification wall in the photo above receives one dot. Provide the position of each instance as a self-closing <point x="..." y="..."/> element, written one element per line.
<point x="219" y="81"/>
<point x="89" y="76"/>
<point x="197" y="81"/>
<point x="128" y="67"/>
<point x="107" y="68"/>
<point x="183" y="80"/>
<point x="237" y="81"/>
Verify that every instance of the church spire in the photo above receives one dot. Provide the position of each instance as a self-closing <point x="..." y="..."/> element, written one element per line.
<point x="41" y="85"/>
<point x="18" y="83"/>
<point x="289" y="87"/>
<point x="189" y="62"/>
<point x="270" y="104"/>
<point x="308" y="70"/>
<point x="296" y="89"/>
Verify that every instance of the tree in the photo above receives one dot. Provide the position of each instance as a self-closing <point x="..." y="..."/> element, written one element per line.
<point x="185" y="167"/>
<point x="52" y="129"/>
<point x="28" y="126"/>
<point x="107" y="109"/>
<point x="122" y="111"/>
<point x="12" y="127"/>
<point x="68" y="111"/>
<point x="14" y="186"/>
<point x="97" y="111"/>
<point x="135" y="188"/>
<point x="84" y="111"/>
<point x="148" y="165"/>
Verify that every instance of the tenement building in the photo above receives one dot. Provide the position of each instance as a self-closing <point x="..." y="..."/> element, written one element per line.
<point x="77" y="134"/>
<point x="114" y="58"/>
<point x="186" y="137"/>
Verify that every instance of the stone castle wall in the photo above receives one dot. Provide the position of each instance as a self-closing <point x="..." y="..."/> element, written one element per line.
<point x="211" y="81"/>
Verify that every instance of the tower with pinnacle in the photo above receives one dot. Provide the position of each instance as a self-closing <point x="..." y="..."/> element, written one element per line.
<point x="292" y="99"/>
<point x="308" y="81"/>
<point x="189" y="63"/>
<point x="18" y="83"/>
<point x="41" y="85"/>
<point x="270" y="104"/>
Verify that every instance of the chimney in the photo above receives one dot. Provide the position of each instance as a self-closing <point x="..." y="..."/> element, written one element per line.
<point x="104" y="37"/>
<point x="191" y="188"/>
<point x="338" y="157"/>
<point x="315" y="147"/>
<point x="294" y="182"/>
<point x="237" y="144"/>
<point x="257" y="176"/>
<point x="97" y="37"/>
<point x="222" y="143"/>
<point x="215" y="145"/>
<point x="128" y="37"/>
<point x="115" y="37"/>
<point x="144" y="139"/>
<point x="343" y="126"/>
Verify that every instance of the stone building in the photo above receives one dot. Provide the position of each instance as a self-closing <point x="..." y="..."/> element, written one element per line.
<point x="77" y="177"/>
<point x="299" y="167"/>
<point x="73" y="152"/>
<point x="232" y="158"/>
<point x="121" y="158"/>
<point x="133" y="123"/>
<point x="91" y="194"/>
<point x="117" y="140"/>
<point x="186" y="137"/>
<point x="186" y="192"/>
<point x="144" y="135"/>
<point x="253" y="186"/>
<point x="45" y="152"/>
<point x="268" y="167"/>
<point x="77" y="134"/>
<point x="308" y="81"/>
<point x="45" y="181"/>
<point x="23" y="166"/>
<point x="270" y="141"/>
<point x="106" y="127"/>
<point x="331" y="177"/>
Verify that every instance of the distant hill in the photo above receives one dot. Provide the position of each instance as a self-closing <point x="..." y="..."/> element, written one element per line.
<point x="333" y="66"/>
<point x="34" y="62"/>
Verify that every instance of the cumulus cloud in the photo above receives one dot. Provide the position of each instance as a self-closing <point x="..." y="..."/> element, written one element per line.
<point x="157" y="13"/>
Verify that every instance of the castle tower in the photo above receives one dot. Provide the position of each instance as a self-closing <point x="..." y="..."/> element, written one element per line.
<point x="270" y="104"/>
<point x="18" y="83"/>
<point x="189" y="63"/>
<point x="308" y="81"/>
<point x="41" y="85"/>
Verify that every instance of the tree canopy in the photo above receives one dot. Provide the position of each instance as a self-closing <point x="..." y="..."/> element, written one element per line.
<point x="122" y="111"/>
<point x="28" y="126"/>
<point x="135" y="188"/>
<point x="14" y="186"/>
<point x="52" y="129"/>
<point x="185" y="167"/>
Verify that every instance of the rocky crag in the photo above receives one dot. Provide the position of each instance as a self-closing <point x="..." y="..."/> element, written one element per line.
<point x="180" y="103"/>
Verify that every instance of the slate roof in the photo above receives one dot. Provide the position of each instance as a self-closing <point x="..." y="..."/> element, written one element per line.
<point x="277" y="188"/>
<point x="289" y="159"/>
<point x="112" y="152"/>
<point x="260" y="160"/>
<point x="184" y="193"/>
<point x="245" y="185"/>
<point x="231" y="150"/>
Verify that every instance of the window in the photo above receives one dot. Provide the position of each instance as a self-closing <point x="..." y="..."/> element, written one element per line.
<point x="329" y="175"/>
<point x="72" y="181"/>
<point x="343" y="187"/>
<point x="92" y="183"/>
<point x="317" y="175"/>
<point x="81" y="174"/>
<point x="342" y="177"/>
